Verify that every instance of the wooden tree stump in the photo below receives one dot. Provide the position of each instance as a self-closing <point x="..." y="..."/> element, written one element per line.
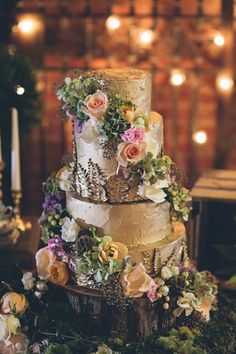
<point x="135" y="322"/>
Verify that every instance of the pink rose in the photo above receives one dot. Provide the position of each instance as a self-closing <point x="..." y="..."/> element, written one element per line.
<point x="43" y="258"/>
<point x="96" y="105"/>
<point x="135" y="281"/>
<point x="130" y="153"/>
<point x="153" y="291"/>
<point x="133" y="135"/>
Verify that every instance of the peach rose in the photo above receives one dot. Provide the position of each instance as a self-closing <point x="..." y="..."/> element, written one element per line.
<point x="136" y="281"/>
<point x="110" y="250"/>
<point x="130" y="153"/>
<point x="43" y="258"/>
<point x="58" y="273"/>
<point x="179" y="228"/>
<point x="96" y="105"/>
<point x="17" y="343"/>
<point x="12" y="302"/>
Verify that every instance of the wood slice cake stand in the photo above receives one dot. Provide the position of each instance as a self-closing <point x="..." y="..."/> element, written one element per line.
<point x="135" y="322"/>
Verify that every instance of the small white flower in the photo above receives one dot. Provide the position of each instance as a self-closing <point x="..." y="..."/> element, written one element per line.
<point x="103" y="349"/>
<point x="70" y="230"/>
<point x="67" y="80"/>
<point x="166" y="273"/>
<point x="154" y="191"/>
<point x="65" y="180"/>
<point x="28" y="280"/>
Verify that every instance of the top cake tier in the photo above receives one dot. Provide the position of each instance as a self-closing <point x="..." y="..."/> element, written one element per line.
<point x="117" y="139"/>
<point x="130" y="84"/>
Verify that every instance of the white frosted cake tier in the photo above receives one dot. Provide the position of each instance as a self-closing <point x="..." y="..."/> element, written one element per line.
<point x="139" y="223"/>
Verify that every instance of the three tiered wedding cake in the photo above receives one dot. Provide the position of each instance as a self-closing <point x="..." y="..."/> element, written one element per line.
<point x="114" y="215"/>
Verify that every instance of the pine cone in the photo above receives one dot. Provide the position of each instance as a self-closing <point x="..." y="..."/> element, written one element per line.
<point x="83" y="244"/>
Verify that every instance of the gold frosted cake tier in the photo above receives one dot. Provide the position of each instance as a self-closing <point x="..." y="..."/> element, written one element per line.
<point x="139" y="223"/>
<point x="130" y="84"/>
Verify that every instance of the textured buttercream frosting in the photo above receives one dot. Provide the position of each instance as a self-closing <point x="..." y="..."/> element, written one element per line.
<point x="138" y="223"/>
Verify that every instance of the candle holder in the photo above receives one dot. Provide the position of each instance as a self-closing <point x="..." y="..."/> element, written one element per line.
<point x="2" y="166"/>
<point x="21" y="224"/>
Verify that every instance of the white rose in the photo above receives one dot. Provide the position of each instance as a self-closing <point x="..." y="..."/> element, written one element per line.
<point x="28" y="280"/>
<point x="4" y="332"/>
<point x="151" y="144"/>
<point x="154" y="191"/>
<point x="12" y="324"/>
<point x="65" y="180"/>
<point x="166" y="273"/>
<point x="70" y="230"/>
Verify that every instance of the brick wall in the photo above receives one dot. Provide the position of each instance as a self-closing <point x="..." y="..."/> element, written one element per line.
<point x="192" y="106"/>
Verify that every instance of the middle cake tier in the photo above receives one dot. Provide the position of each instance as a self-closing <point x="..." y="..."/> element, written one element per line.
<point x="139" y="223"/>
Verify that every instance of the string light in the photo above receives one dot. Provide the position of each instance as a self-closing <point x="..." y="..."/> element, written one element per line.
<point x="200" y="137"/>
<point x="20" y="90"/>
<point x="177" y="77"/>
<point x="26" y="26"/>
<point x="113" y="22"/>
<point x="146" y="37"/>
<point x="224" y="83"/>
<point x="219" y="40"/>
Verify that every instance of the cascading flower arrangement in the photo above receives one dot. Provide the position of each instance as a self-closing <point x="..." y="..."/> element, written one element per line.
<point x="130" y="134"/>
<point x="97" y="259"/>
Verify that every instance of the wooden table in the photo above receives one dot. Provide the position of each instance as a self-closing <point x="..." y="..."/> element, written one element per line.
<point x="214" y="220"/>
<point x="23" y="252"/>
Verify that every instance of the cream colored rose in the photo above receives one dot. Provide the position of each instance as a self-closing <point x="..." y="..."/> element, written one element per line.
<point x="96" y="105"/>
<point x="43" y="258"/>
<point x="12" y="324"/>
<point x="187" y="303"/>
<point x="136" y="281"/>
<point x="179" y="228"/>
<point x="154" y="191"/>
<point x="58" y="272"/>
<point x="132" y="153"/>
<point x="12" y="302"/>
<point x="110" y="250"/>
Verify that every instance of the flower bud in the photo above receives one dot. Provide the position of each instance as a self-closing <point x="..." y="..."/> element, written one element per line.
<point x="164" y="290"/>
<point x="166" y="306"/>
<point x="38" y="294"/>
<point x="175" y="271"/>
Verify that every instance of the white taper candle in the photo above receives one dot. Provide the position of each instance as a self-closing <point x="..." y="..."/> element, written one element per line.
<point x="15" y="152"/>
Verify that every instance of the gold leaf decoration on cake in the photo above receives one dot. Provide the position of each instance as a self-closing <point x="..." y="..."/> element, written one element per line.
<point x="157" y="260"/>
<point x="148" y="261"/>
<point x="97" y="181"/>
<point x="171" y="260"/>
<point x="109" y="149"/>
<point x="82" y="182"/>
<point x="117" y="189"/>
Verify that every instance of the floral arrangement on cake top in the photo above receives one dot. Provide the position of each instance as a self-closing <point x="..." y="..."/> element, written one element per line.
<point x="96" y="261"/>
<point x="126" y="133"/>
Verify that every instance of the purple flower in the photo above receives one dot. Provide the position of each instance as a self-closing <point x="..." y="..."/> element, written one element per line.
<point x="56" y="245"/>
<point x="52" y="202"/>
<point x="79" y="124"/>
<point x="133" y="135"/>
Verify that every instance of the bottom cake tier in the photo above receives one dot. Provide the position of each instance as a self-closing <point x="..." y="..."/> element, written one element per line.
<point x="144" y="227"/>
